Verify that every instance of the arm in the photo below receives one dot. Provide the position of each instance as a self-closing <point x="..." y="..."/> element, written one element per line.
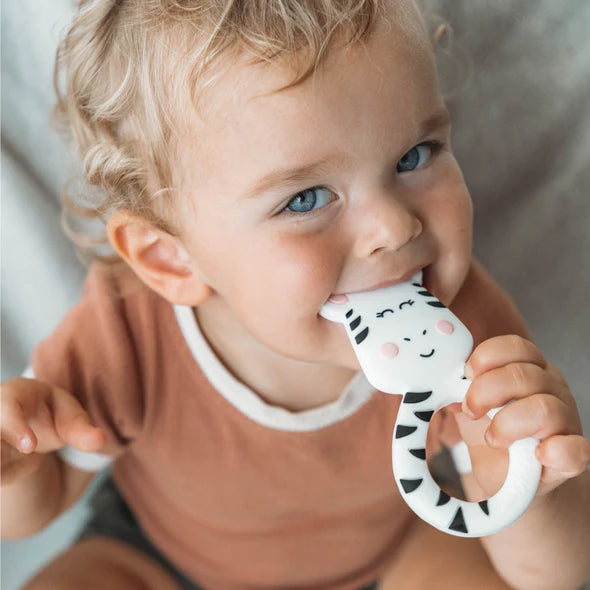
<point x="37" y="419"/>
<point x="32" y="502"/>
<point x="553" y="540"/>
<point x="547" y="548"/>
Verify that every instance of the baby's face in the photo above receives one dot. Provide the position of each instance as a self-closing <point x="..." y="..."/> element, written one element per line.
<point x="343" y="183"/>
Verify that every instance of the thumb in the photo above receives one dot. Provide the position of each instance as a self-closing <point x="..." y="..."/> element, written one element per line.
<point x="73" y="424"/>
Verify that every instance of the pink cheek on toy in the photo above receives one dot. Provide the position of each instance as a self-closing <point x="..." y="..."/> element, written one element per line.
<point x="389" y="350"/>
<point x="444" y="327"/>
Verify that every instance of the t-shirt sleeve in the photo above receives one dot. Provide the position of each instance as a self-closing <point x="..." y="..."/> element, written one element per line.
<point x="92" y="354"/>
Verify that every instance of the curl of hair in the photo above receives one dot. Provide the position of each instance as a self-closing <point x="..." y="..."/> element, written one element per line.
<point x="125" y="69"/>
<point x="124" y="65"/>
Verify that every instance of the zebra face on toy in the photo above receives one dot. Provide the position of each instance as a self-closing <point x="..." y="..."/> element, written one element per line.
<point x="407" y="342"/>
<point x="402" y="335"/>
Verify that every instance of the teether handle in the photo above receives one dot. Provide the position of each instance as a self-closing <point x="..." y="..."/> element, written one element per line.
<point x="430" y="502"/>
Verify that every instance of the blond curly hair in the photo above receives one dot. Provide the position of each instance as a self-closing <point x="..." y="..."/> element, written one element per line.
<point x="125" y="66"/>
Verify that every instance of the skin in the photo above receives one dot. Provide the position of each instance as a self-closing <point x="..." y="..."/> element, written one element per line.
<point x="268" y="271"/>
<point x="258" y="274"/>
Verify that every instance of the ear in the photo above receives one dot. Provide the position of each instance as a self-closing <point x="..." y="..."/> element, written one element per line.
<point x="159" y="259"/>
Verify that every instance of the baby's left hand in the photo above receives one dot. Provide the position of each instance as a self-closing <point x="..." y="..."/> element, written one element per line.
<point x="508" y="368"/>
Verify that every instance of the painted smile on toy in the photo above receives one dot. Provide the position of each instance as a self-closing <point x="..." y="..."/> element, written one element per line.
<point x="427" y="356"/>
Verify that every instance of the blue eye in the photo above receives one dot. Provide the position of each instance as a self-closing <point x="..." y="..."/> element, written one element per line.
<point x="309" y="199"/>
<point x="415" y="158"/>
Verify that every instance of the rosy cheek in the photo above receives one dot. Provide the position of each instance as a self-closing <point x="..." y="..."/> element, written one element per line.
<point x="444" y="327"/>
<point x="389" y="350"/>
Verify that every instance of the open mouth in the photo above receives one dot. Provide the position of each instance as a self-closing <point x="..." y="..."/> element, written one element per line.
<point x="427" y="356"/>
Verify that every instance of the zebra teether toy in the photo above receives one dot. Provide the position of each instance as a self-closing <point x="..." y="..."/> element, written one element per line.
<point x="407" y="342"/>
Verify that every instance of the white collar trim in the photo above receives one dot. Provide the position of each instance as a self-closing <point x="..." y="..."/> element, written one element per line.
<point x="355" y="394"/>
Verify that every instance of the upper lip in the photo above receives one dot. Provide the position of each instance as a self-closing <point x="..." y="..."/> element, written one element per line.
<point x="388" y="283"/>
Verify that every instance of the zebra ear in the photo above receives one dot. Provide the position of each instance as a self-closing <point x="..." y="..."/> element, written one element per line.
<point x="335" y="312"/>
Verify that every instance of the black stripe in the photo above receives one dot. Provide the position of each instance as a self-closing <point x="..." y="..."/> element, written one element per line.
<point x="420" y="453"/>
<point x="443" y="498"/>
<point x="410" y="485"/>
<point x="484" y="506"/>
<point x="355" y="323"/>
<point x="458" y="522"/>
<point x="424" y="416"/>
<point x="436" y="304"/>
<point x="349" y="313"/>
<point x="425" y="293"/>
<point x="361" y="335"/>
<point x="415" y="397"/>
<point x="402" y="430"/>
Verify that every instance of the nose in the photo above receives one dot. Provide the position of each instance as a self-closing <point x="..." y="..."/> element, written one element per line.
<point x="384" y="223"/>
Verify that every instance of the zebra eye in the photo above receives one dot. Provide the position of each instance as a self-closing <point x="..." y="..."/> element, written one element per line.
<point x="409" y="302"/>
<point x="382" y="313"/>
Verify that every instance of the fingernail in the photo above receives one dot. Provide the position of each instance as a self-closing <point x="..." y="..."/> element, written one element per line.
<point x="489" y="438"/>
<point x="25" y="443"/>
<point x="468" y="371"/>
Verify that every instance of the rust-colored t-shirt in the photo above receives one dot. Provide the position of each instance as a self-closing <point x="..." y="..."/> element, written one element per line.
<point x="237" y="493"/>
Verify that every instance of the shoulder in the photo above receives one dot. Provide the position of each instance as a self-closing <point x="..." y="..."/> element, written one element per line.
<point x="485" y="308"/>
<point x="100" y="332"/>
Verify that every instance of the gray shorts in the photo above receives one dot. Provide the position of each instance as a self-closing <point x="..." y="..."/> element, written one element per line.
<point x="111" y="517"/>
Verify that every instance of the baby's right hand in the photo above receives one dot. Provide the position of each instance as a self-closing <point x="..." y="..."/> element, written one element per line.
<point x="38" y="418"/>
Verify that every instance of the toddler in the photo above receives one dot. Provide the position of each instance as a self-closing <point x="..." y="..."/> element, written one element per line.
<point x="258" y="158"/>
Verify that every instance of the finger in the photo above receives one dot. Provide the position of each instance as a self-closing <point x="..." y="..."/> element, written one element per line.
<point x="73" y="424"/>
<point x="540" y="416"/>
<point x="472" y="431"/>
<point x="568" y="455"/>
<point x="517" y="380"/>
<point x="15" y="429"/>
<point x="502" y="350"/>
<point x="490" y="467"/>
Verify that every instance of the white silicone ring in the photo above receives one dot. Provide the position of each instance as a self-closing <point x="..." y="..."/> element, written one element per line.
<point x="432" y="504"/>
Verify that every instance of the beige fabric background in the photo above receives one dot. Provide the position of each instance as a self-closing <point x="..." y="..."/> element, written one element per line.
<point x="521" y="132"/>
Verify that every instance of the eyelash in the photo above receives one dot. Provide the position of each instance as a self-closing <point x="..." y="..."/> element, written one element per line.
<point x="315" y="189"/>
<point x="434" y="146"/>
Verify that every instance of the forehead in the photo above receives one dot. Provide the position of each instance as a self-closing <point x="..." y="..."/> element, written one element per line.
<point x="239" y="80"/>
<point x="251" y="111"/>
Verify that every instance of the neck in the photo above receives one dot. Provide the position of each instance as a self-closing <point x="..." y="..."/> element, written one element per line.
<point x="279" y="380"/>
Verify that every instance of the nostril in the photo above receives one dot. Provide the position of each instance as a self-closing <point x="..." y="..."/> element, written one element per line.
<point x="389" y="350"/>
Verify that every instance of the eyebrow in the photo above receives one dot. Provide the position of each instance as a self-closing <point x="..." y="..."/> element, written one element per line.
<point x="287" y="177"/>
<point x="438" y="120"/>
